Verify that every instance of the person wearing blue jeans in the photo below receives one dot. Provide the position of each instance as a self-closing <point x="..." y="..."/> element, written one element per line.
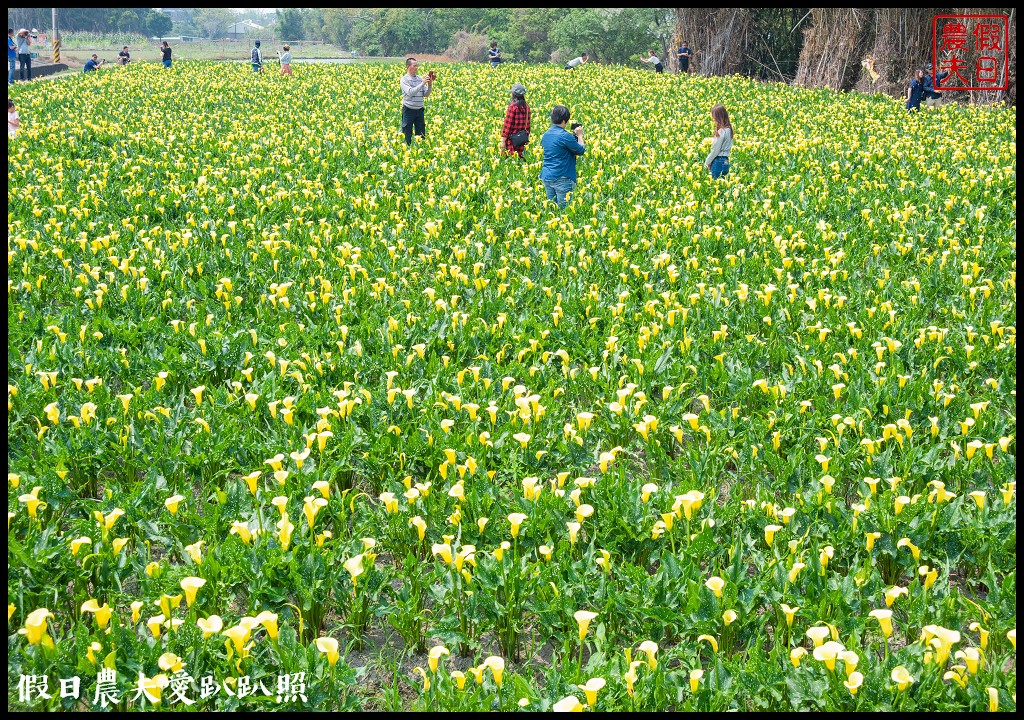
<point x="717" y="161"/>
<point x="12" y="55"/>
<point x="561" y="148"/>
<point x="719" y="168"/>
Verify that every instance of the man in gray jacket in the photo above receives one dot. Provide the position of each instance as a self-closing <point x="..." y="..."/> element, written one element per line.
<point x="414" y="89"/>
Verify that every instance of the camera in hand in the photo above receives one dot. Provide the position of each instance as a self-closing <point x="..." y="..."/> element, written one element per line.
<point x="575" y="125"/>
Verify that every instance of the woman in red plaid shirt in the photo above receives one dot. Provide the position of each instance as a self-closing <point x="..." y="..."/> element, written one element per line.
<point x="517" y="122"/>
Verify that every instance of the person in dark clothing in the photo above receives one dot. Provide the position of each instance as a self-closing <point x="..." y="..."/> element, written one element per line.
<point x="93" y="64"/>
<point x="915" y="91"/>
<point x="684" y="54"/>
<point x="256" y="57"/>
<point x="932" y="97"/>
<point x="165" y="51"/>
<point x="494" y="55"/>
<point x="124" y="57"/>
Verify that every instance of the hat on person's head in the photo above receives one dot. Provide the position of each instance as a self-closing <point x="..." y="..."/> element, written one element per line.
<point x="928" y="67"/>
<point x="519" y="89"/>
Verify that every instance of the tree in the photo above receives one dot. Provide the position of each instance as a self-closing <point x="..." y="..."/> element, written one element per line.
<point x="214" y="21"/>
<point x="126" y="20"/>
<point x="290" y="24"/>
<point x="578" y="31"/>
<point x="158" y="24"/>
<point x="313" y="24"/>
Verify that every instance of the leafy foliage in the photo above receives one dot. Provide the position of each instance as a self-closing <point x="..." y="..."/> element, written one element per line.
<point x="689" y="444"/>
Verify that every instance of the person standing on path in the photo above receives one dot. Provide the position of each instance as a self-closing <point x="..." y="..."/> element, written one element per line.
<point x="286" y="60"/>
<point x="165" y="51"/>
<point x="414" y="90"/>
<point x="257" y="57"/>
<point x="561" y="148"/>
<point x="718" y="159"/>
<point x="684" y="54"/>
<point x="515" y="133"/>
<point x="12" y="55"/>
<point x="654" y="60"/>
<point x="24" y="55"/>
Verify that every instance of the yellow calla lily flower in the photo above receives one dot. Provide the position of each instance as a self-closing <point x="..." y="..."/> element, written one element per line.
<point x="328" y="647"/>
<point x="583" y="619"/>
<point x="570" y="703"/>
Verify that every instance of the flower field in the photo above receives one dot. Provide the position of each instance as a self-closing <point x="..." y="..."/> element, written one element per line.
<point x="301" y="418"/>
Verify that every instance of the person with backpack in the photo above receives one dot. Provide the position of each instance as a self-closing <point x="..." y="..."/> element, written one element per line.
<point x="257" y="57"/>
<point x="515" y="133"/>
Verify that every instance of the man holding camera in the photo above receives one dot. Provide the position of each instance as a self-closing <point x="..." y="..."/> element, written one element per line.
<point x="561" y="148"/>
<point x="93" y="64"/>
<point x="24" y="45"/>
<point x="414" y="89"/>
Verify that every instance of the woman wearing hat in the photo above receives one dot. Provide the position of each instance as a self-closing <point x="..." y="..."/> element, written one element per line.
<point x="515" y="133"/>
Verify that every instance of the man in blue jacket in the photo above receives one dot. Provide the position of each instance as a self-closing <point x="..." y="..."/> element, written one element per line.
<point x="932" y="97"/>
<point x="561" y="148"/>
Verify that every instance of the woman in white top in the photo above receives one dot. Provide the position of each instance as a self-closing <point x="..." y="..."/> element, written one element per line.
<point x="718" y="159"/>
<point x="654" y="60"/>
<point x="286" y="60"/>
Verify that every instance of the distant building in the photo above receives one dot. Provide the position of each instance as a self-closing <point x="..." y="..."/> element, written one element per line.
<point x="243" y="29"/>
